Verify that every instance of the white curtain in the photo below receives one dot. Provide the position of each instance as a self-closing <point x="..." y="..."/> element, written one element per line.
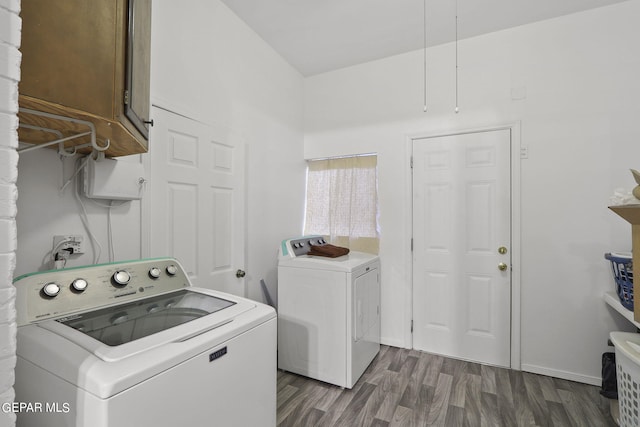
<point x="342" y="202"/>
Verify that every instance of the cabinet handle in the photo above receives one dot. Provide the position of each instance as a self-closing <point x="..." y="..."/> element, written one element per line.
<point x="148" y="122"/>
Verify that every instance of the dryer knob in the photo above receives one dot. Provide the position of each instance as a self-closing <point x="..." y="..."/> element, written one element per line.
<point x="121" y="278"/>
<point x="51" y="289"/>
<point x="172" y="270"/>
<point x="154" y="272"/>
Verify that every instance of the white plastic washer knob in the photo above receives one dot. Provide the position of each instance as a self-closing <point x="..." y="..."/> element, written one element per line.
<point x="79" y="285"/>
<point x="51" y="289"/>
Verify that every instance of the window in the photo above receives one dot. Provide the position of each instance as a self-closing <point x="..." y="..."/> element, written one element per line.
<point x="342" y="201"/>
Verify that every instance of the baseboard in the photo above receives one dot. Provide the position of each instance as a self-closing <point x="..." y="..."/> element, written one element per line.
<point x="571" y="376"/>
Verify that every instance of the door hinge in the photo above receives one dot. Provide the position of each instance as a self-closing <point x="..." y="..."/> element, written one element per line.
<point x="412" y="244"/>
<point x="411" y="162"/>
<point x="126" y="97"/>
<point x="411" y="325"/>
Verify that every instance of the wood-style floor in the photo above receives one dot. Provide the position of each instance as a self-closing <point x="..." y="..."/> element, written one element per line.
<point x="409" y="388"/>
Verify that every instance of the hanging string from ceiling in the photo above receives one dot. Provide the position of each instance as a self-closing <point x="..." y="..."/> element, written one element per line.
<point x="424" y="54"/>
<point x="457" y="109"/>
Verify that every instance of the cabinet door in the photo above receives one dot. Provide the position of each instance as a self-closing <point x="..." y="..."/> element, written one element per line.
<point x="68" y="53"/>
<point x="137" y="90"/>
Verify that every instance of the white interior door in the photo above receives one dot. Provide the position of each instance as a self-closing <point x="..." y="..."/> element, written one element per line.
<point x="461" y="220"/>
<point x="195" y="200"/>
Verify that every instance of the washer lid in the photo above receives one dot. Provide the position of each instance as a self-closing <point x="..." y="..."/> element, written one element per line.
<point x="125" y="331"/>
<point x="346" y="263"/>
<point x="120" y="324"/>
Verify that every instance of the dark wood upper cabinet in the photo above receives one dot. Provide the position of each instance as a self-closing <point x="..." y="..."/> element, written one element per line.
<point x="87" y="60"/>
<point x="137" y="89"/>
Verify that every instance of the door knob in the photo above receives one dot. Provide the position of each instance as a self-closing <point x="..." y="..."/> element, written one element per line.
<point x="502" y="250"/>
<point x="502" y="266"/>
<point x="240" y="274"/>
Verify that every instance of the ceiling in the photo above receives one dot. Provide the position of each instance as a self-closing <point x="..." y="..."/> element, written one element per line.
<point x="316" y="36"/>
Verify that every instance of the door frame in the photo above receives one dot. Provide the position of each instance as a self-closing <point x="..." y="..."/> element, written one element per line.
<point x="514" y="129"/>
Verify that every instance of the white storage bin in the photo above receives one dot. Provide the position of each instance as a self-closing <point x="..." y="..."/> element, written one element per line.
<point x="627" y="347"/>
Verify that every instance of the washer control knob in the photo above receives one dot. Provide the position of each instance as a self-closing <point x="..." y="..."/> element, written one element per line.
<point x="172" y="270"/>
<point x="121" y="277"/>
<point x="51" y="289"/>
<point x="79" y="285"/>
<point x="154" y="272"/>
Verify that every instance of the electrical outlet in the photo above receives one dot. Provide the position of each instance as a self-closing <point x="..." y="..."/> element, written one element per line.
<point x="69" y="241"/>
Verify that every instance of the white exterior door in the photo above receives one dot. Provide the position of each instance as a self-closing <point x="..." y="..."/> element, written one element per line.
<point x="461" y="252"/>
<point x="195" y="201"/>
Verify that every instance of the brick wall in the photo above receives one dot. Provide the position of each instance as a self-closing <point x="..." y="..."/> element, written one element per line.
<point x="10" y="25"/>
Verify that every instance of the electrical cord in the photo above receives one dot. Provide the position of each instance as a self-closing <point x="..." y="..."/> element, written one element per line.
<point x="60" y="259"/>
<point x="109" y="208"/>
<point x="77" y="171"/>
<point x="110" y="232"/>
<point x="84" y="217"/>
<point x="57" y="256"/>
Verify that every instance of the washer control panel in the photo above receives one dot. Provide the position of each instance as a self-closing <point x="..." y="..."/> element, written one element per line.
<point x="300" y="246"/>
<point x="55" y="293"/>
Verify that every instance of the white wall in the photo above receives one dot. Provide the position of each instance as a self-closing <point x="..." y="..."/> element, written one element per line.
<point x="9" y="77"/>
<point x="209" y="65"/>
<point x="572" y="84"/>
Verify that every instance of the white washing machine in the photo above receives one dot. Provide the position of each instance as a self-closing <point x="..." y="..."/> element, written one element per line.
<point x="133" y="344"/>
<point x="328" y="312"/>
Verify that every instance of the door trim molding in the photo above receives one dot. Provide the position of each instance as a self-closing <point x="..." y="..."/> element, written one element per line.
<point x="515" y="130"/>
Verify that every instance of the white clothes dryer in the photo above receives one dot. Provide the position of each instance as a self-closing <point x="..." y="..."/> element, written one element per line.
<point x="328" y="312"/>
<point x="134" y="344"/>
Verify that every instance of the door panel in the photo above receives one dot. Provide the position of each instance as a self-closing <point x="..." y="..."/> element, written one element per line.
<point x="461" y="216"/>
<point x="181" y="220"/>
<point x="196" y="206"/>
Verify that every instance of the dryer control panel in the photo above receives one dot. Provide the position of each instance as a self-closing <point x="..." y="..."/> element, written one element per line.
<point x="55" y="293"/>
<point x="300" y="246"/>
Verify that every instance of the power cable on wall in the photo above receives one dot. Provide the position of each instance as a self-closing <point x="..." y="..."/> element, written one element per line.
<point x="84" y="217"/>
